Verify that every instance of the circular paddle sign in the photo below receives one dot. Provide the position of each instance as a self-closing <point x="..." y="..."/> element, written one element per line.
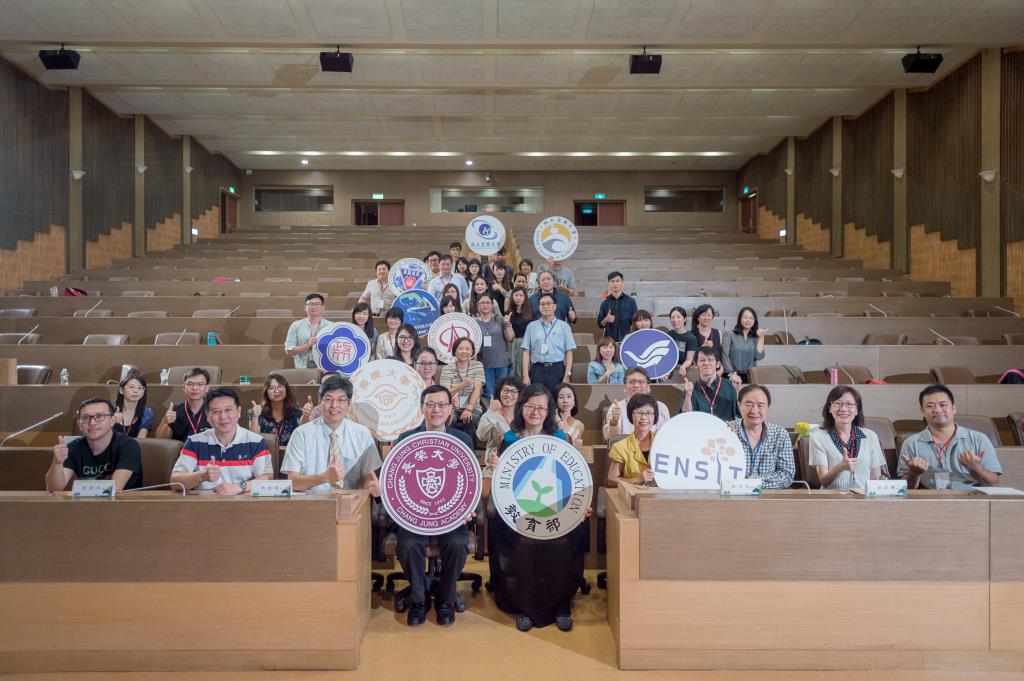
<point x="341" y="347"/>
<point x="485" y="235"/>
<point x="556" y="238"/>
<point x="408" y="274"/>
<point x="430" y="483"/>
<point x="695" y="450"/>
<point x="449" y="328"/>
<point x="651" y="350"/>
<point x="386" y="398"/>
<point x="542" y="487"/>
<point x="420" y="309"/>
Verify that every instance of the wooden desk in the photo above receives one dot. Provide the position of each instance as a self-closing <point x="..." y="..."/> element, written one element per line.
<point x="155" y="582"/>
<point x="816" y="581"/>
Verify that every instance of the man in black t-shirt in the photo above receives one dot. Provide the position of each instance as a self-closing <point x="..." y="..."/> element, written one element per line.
<point x="188" y="418"/>
<point x="101" y="454"/>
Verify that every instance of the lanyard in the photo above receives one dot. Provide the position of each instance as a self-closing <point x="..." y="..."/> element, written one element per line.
<point x="940" y="450"/>
<point x="194" y="425"/>
<point x="714" y="399"/>
<point x="755" y="451"/>
<point x="547" y="333"/>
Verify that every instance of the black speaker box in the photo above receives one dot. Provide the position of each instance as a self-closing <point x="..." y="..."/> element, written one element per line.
<point x="336" y="61"/>
<point x="922" y="62"/>
<point x="645" y="63"/>
<point x="59" y="59"/>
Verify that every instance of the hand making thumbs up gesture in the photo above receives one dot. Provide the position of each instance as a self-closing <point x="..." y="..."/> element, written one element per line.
<point x="60" y="452"/>
<point x="170" y="417"/>
<point x="212" y="471"/>
<point x="335" y="470"/>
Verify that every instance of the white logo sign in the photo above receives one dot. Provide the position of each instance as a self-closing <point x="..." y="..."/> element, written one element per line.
<point x="556" y="238"/>
<point x="695" y="450"/>
<point x="386" y="398"/>
<point x="485" y="235"/>
<point x="449" y="328"/>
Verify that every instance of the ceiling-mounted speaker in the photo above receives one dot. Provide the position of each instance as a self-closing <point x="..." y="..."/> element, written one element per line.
<point x="645" y="63"/>
<point x="921" y="62"/>
<point x="55" y="60"/>
<point x="336" y="61"/>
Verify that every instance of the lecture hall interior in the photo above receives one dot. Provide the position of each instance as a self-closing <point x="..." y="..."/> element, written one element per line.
<point x="177" y="177"/>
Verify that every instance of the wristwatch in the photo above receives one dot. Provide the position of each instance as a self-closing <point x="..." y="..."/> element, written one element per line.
<point x="244" y="484"/>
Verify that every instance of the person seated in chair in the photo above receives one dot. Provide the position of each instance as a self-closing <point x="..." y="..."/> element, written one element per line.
<point x="766" y="445"/>
<point x="100" y="454"/>
<point x="636" y="382"/>
<point x="712" y="394"/>
<point x="436" y="403"/>
<point x="189" y="417"/>
<point x="959" y="457"/>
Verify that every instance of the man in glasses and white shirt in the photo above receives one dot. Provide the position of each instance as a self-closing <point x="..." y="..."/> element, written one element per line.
<point x="332" y="451"/>
<point x="303" y="332"/>
<point x="637" y="382"/>
<point x="100" y="454"/>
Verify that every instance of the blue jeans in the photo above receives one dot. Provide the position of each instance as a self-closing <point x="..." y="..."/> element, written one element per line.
<point x="491" y="378"/>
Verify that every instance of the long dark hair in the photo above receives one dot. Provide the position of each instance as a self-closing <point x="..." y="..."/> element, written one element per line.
<point x="826" y="414"/>
<point x="695" y="318"/>
<point x="140" y="408"/>
<point x="289" y="397"/>
<point x="533" y="390"/>
<point x="411" y="330"/>
<point x="526" y="313"/>
<point x="738" y="329"/>
<point x="474" y="296"/>
<point x="479" y="269"/>
<point x="506" y="281"/>
<point x="368" y="326"/>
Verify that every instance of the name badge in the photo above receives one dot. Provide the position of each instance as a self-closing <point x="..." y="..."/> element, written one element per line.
<point x="886" y="488"/>
<point x="941" y="479"/>
<point x="271" y="488"/>
<point x="378" y="305"/>
<point x="487" y="341"/>
<point x="747" y="487"/>
<point x="81" y="489"/>
<point x="544" y="348"/>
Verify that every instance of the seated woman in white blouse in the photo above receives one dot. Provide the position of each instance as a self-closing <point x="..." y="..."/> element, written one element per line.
<point x="845" y="454"/>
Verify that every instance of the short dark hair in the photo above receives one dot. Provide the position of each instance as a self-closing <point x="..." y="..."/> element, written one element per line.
<point x="432" y="253"/>
<point x="95" y="400"/>
<point x="449" y="300"/>
<point x="502" y="251"/>
<point x="335" y="383"/>
<point x="526" y="261"/>
<point x="701" y="309"/>
<point x="546" y="295"/>
<point x="460" y="341"/>
<point x="486" y="294"/>
<point x="750" y="388"/>
<point x="739" y="327"/>
<point x="455" y="244"/>
<point x="446" y="256"/>
<point x="641" y="400"/>
<point x="535" y="390"/>
<point x="680" y="310"/>
<point x="423" y="350"/>
<point x="637" y="370"/>
<point x="436" y="388"/>
<point x="931" y="390"/>
<point x="709" y="352"/>
<point x="575" y="400"/>
<point x="395" y="313"/>
<point x="616" y="273"/>
<point x="216" y="393"/>
<point x="197" y="371"/>
<point x="826" y="414"/>
<point x="508" y="380"/>
<point x="311" y="296"/>
<point x="382" y="262"/>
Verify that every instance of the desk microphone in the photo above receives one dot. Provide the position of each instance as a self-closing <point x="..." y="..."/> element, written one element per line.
<point x="162" y="486"/>
<point x="1005" y="310"/>
<point x="34" y="425"/>
<point x="843" y="369"/>
<point x="942" y="337"/>
<point x="878" y="309"/>
<point x="804" y="483"/>
<point x="183" y="332"/>
<point x="91" y="309"/>
<point x="785" y="323"/>
<point x="232" y="311"/>
<point x="27" y="334"/>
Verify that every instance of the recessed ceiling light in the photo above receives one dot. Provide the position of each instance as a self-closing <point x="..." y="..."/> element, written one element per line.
<point x="469" y="161"/>
<point x="304" y="161"/>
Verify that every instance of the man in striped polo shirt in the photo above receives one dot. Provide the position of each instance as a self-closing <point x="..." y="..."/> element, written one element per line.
<point x="226" y="458"/>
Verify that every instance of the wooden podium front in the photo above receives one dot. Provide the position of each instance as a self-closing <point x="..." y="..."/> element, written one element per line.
<point x="827" y="580"/>
<point x="154" y="581"/>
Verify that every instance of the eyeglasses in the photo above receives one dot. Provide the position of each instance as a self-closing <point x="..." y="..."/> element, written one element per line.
<point x="509" y="391"/>
<point x="426" y="364"/>
<point x="638" y="381"/>
<point x="316" y="303"/>
<point x="223" y="412"/>
<point x="535" y="408"/>
<point x="191" y="384"/>
<point x="334" y="400"/>
<point x="644" y="414"/>
<point x="844" y="405"/>
<point x="436" y="406"/>
<point x="405" y="338"/>
<point x="275" y="388"/>
<point x="93" y="418"/>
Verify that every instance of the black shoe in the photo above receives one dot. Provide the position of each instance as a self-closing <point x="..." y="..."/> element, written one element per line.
<point x="417" y="615"/>
<point x="523" y="623"/>
<point x="563" y="622"/>
<point x="445" y="615"/>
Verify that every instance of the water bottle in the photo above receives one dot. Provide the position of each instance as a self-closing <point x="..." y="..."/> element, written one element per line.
<point x="833" y="375"/>
<point x="211" y="338"/>
<point x="703" y="293"/>
<point x="165" y="376"/>
<point x="65" y="377"/>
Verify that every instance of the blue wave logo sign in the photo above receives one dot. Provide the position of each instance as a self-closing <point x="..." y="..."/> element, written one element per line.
<point x="420" y="308"/>
<point x="485" y="235"/>
<point x="341" y="348"/>
<point x="652" y="350"/>
<point x="556" y="238"/>
<point x="408" y="274"/>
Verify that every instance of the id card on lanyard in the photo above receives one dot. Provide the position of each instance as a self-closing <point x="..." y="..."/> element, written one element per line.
<point x="940" y="450"/>
<point x="712" y="400"/>
<point x="545" y="347"/>
<point x="755" y="452"/>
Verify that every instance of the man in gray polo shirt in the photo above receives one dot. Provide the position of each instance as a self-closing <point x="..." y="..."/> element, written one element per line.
<point x="945" y="453"/>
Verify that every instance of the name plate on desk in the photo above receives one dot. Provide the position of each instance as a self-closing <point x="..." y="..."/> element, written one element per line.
<point x="886" y="488"/>
<point x="747" y="487"/>
<point x="271" y="488"/>
<point x="81" y="489"/>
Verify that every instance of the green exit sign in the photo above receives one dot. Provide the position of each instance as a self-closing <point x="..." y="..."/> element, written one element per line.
<point x="231" y="190"/>
<point x="600" y="196"/>
<point x="588" y="211"/>
<point x="378" y="197"/>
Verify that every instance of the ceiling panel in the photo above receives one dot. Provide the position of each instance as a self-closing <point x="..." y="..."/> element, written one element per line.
<point x="443" y="19"/>
<point x="641" y="20"/>
<point x="256" y="18"/>
<point x="165" y="19"/>
<point x="537" y="19"/>
<point x="339" y="19"/>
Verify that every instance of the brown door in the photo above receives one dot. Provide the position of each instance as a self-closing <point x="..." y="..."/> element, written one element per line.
<point x="232" y="206"/>
<point x="748" y="214"/>
<point x="611" y="213"/>
<point x="391" y="213"/>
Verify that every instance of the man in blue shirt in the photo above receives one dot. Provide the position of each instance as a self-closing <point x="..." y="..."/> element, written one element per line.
<point x="547" y="346"/>
<point x="616" y="313"/>
<point x="564" y="309"/>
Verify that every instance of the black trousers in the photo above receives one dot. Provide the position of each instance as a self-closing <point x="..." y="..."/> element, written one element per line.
<point x="412" y="554"/>
<point x="548" y="376"/>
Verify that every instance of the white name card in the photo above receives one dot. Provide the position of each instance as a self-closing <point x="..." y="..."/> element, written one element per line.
<point x="746" y="487"/>
<point x="81" y="489"/>
<point x="271" y="488"/>
<point x="886" y="488"/>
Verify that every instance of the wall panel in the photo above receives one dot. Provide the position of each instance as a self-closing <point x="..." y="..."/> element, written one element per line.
<point x="108" y="155"/>
<point x="767" y="173"/>
<point x="211" y="173"/>
<point x="164" y="176"/>
<point x="1011" y="175"/>
<point x="813" y="180"/>
<point x="866" y="177"/>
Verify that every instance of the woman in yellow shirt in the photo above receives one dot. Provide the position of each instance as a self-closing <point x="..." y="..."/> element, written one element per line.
<point x="629" y="457"/>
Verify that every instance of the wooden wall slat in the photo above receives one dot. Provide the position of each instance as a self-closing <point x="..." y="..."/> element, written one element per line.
<point x="212" y="171"/>
<point x="944" y="156"/>
<point x="1011" y="173"/>
<point x="867" y="160"/>
<point x="767" y="173"/>
<point x="164" y="176"/>
<point x="108" y="157"/>
<point x="813" y="180"/>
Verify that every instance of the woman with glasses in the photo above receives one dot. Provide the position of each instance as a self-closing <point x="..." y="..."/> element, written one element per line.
<point x="568" y="406"/>
<point x="131" y="415"/>
<point x="495" y="339"/>
<point x="495" y="422"/>
<point x="465" y="379"/>
<point x="844" y="453"/>
<point x="406" y="342"/>
<point x="278" y="414"/>
<point x="533" y="579"/>
<point x="425" y="364"/>
<point x="519" y="314"/>
<point x="629" y="458"/>
<point x="478" y="287"/>
<point x="387" y="341"/>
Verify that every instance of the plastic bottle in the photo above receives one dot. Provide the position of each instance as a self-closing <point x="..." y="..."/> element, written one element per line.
<point x="165" y="376"/>
<point x="65" y="377"/>
<point x="211" y="338"/>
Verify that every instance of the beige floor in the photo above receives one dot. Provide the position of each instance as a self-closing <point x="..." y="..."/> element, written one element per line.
<point x="484" y="645"/>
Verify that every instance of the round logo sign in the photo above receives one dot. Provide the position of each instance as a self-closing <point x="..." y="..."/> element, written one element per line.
<point x="341" y="347"/>
<point x="556" y="238"/>
<point x="485" y="235"/>
<point x="430" y="482"/>
<point x="695" y="450"/>
<point x="420" y="308"/>
<point x="449" y="328"/>
<point x="652" y="350"/>
<point x="386" y="398"/>
<point x="542" y="487"/>
<point x="408" y="274"/>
